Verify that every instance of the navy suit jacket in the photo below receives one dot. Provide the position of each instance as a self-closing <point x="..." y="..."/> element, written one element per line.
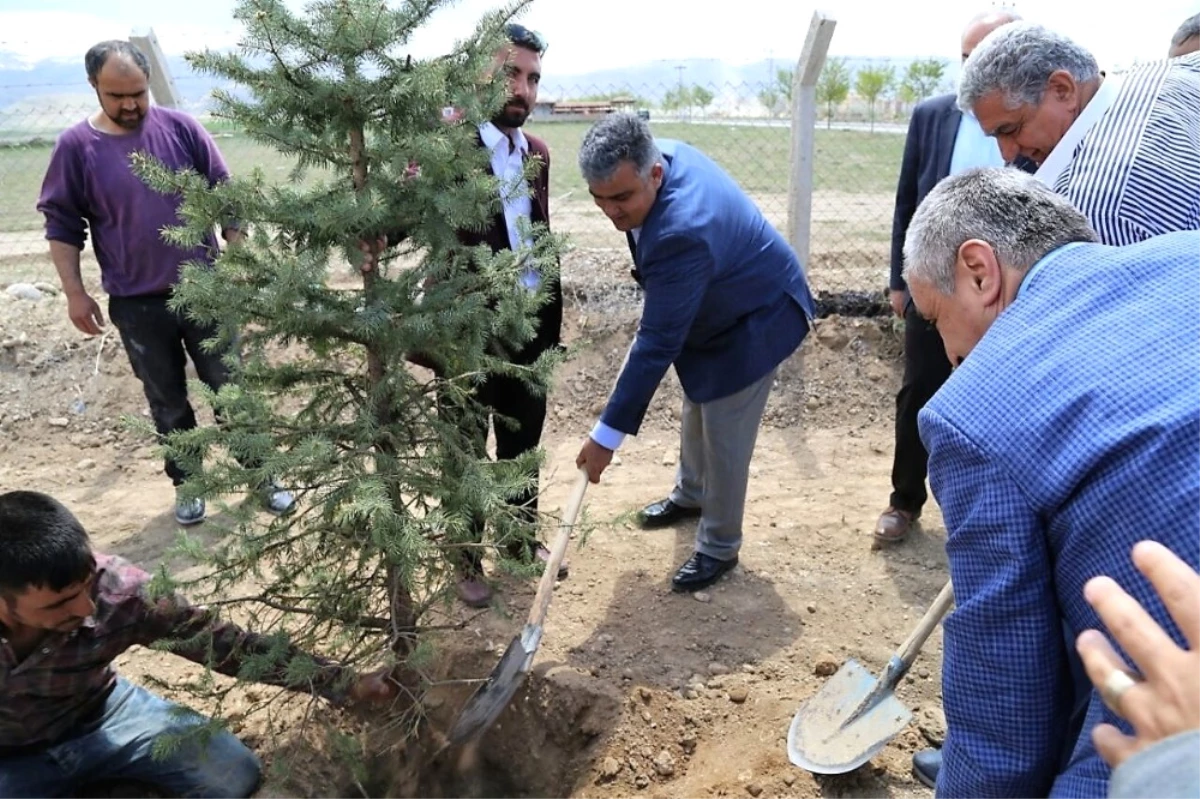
<point x="726" y="300"/>
<point x="927" y="152"/>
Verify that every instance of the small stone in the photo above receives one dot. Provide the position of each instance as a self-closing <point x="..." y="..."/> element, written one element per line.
<point x="610" y="768"/>
<point x="433" y="702"/>
<point x="789" y="779"/>
<point x="738" y="694"/>
<point x="641" y="782"/>
<point x="702" y="596"/>
<point x="812" y="608"/>
<point x="646" y="694"/>
<point x="664" y="764"/>
<point x="825" y="665"/>
<point x="86" y="463"/>
<point x="754" y="789"/>
<point x="668" y="458"/>
<point x="646" y="716"/>
<point x="923" y="672"/>
<point x="24" y="291"/>
<point x="616" y="460"/>
<point x="715" y="668"/>
<point x="691" y="693"/>
<point x="58" y="421"/>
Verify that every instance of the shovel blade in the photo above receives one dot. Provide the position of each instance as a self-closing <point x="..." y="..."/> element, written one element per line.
<point x="821" y="741"/>
<point x="490" y="699"/>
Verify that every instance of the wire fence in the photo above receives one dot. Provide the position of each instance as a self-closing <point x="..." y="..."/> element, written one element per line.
<point x="744" y="126"/>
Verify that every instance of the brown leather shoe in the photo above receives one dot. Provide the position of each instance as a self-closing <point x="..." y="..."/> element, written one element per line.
<point x="474" y="591"/>
<point x="894" y="524"/>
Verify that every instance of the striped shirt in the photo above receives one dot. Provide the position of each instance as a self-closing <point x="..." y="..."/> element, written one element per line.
<point x="63" y="683"/>
<point x="1136" y="173"/>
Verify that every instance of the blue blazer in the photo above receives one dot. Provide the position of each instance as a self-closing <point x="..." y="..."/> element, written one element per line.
<point x="927" y="153"/>
<point x="1070" y="432"/>
<point x="725" y="297"/>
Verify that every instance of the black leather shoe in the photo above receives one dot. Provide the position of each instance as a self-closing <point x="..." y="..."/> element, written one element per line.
<point x="664" y="514"/>
<point x="700" y="571"/>
<point x="926" y="765"/>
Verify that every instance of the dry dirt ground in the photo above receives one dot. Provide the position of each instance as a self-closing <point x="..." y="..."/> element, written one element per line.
<point x="637" y="691"/>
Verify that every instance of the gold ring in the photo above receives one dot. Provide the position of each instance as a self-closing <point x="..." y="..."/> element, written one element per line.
<point x="1115" y="685"/>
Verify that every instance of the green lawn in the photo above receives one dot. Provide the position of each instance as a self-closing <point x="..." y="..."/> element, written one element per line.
<point x="846" y="161"/>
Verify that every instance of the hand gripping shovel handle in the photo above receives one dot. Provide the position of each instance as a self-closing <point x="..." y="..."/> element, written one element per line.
<point x="558" y="550"/>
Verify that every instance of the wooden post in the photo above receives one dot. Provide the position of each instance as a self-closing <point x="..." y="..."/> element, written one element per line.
<point x="804" y="118"/>
<point x="162" y="85"/>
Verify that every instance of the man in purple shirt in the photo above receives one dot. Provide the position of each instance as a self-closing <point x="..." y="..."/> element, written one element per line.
<point x="90" y="184"/>
<point x="68" y="720"/>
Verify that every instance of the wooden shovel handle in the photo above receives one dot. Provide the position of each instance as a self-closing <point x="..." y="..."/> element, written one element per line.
<point x="910" y="648"/>
<point x="558" y="550"/>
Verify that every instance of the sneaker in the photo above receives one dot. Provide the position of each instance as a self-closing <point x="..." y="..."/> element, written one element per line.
<point x="188" y="511"/>
<point x="278" y="499"/>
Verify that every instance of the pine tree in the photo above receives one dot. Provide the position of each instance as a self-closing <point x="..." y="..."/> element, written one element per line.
<point x="323" y="399"/>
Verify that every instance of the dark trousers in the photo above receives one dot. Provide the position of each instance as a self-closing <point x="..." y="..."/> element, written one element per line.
<point x="926" y="368"/>
<point x="158" y="342"/>
<point x="517" y="415"/>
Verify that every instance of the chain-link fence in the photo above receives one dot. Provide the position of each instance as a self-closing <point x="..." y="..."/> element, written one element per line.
<point x="746" y="127"/>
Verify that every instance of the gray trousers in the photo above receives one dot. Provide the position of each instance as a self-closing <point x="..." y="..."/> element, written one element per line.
<point x="716" y="441"/>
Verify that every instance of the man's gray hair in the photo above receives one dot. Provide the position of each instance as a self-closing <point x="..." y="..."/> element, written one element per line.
<point x="99" y="54"/>
<point x="1190" y="29"/>
<point x="1020" y="217"/>
<point x="615" y="138"/>
<point x="1017" y="60"/>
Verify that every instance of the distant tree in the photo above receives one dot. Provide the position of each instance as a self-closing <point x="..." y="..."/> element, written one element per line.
<point x="701" y="97"/>
<point x="783" y="83"/>
<point x="771" y="101"/>
<point x="922" y="79"/>
<point x="677" y="99"/>
<point x="872" y="84"/>
<point x="833" y="86"/>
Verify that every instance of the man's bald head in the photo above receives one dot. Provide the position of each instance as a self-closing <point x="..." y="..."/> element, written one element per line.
<point x="984" y="23"/>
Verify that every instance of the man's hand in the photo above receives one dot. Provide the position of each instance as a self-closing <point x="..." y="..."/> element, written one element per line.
<point x="371" y="251"/>
<point x="594" y="458"/>
<point x="899" y="299"/>
<point x="376" y="688"/>
<point x="85" y="313"/>
<point x="1165" y="700"/>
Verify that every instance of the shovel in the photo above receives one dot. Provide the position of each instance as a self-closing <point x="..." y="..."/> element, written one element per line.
<point x="854" y="715"/>
<point x="489" y="701"/>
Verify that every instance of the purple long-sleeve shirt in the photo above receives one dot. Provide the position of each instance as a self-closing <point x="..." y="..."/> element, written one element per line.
<point x="90" y="184"/>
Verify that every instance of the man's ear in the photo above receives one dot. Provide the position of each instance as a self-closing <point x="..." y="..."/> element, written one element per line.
<point x="978" y="265"/>
<point x="1061" y="86"/>
<point x="656" y="174"/>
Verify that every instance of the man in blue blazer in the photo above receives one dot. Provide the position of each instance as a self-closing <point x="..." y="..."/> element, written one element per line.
<point x="1069" y="431"/>
<point x="725" y="303"/>
<point x="941" y="141"/>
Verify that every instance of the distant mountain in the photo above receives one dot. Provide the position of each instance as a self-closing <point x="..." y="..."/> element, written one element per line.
<point x="38" y="96"/>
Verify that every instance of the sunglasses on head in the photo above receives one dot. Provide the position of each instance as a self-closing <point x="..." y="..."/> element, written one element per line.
<point x="524" y="37"/>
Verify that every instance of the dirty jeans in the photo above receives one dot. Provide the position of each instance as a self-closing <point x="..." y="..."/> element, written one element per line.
<point x="118" y="745"/>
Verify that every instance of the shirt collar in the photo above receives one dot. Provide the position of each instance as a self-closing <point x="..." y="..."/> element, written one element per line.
<point x="1045" y="259"/>
<point x="1058" y="159"/>
<point x="492" y="137"/>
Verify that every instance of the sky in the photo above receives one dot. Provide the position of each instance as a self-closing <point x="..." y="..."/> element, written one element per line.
<point x="588" y="36"/>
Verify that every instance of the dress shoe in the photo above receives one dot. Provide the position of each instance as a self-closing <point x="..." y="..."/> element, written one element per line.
<point x="700" y="571"/>
<point x="664" y="514"/>
<point x="894" y="524"/>
<point x="474" y="591"/>
<point x="926" y="765"/>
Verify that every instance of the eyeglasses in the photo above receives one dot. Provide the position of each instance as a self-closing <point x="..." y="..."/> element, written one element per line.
<point x="524" y="37"/>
